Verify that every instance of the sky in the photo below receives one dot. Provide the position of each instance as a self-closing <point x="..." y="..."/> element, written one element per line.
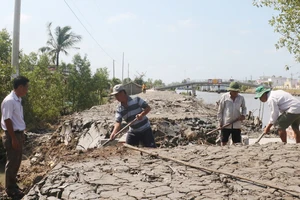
<point x="171" y="40"/>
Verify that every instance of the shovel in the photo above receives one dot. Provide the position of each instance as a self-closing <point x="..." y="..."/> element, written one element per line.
<point x="261" y="136"/>
<point x="118" y="133"/>
<point x="222" y="127"/>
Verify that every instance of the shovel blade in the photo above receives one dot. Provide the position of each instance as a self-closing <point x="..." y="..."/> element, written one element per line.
<point x="108" y="142"/>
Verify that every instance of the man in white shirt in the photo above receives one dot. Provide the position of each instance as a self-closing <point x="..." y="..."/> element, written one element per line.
<point x="232" y="110"/>
<point x="285" y="111"/>
<point x="12" y="122"/>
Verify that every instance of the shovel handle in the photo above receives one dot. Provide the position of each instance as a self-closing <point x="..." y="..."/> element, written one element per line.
<point x="119" y="132"/>
<point x="261" y="136"/>
<point x="222" y="127"/>
<point x="217" y="129"/>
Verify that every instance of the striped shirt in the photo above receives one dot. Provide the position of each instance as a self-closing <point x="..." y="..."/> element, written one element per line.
<point x="135" y="106"/>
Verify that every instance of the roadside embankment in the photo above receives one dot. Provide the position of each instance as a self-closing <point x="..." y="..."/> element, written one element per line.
<point x="180" y="124"/>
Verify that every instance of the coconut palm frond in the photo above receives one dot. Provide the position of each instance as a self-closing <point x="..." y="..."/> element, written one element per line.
<point x="62" y="39"/>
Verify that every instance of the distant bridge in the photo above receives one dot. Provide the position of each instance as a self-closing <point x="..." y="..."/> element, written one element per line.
<point x="205" y="83"/>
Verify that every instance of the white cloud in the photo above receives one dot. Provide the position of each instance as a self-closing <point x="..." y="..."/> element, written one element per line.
<point x="121" y="17"/>
<point x="187" y="23"/>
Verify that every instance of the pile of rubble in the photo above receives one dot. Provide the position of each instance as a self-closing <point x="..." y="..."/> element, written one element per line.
<point x="176" y="121"/>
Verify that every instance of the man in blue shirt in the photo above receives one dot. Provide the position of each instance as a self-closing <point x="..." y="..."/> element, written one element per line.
<point x="129" y="109"/>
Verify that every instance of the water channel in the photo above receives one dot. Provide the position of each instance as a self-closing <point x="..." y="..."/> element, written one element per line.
<point x="254" y="105"/>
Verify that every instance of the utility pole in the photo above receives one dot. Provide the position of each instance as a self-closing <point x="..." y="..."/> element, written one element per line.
<point x="16" y="38"/>
<point x="123" y="67"/>
<point x="113" y="69"/>
<point x="128" y="71"/>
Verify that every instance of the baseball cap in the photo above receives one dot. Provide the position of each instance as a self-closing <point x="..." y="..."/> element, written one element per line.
<point x="117" y="88"/>
<point x="260" y="90"/>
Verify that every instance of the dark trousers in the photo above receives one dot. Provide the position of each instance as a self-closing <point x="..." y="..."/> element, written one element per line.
<point x="13" y="159"/>
<point x="145" y="137"/>
<point x="235" y="135"/>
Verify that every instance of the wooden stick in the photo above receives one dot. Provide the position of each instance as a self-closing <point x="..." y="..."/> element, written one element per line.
<point x="108" y="141"/>
<point x="221" y="127"/>
<point x="261" y="136"/>
<point x="291" y="192"/>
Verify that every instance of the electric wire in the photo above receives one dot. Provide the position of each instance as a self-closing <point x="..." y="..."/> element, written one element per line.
<point x="87" y="30"/>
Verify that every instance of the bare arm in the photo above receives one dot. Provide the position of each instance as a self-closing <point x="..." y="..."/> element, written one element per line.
<point x="267" y="129"/>
<point x="116" y="129"/>
<point x="143" y="113"/>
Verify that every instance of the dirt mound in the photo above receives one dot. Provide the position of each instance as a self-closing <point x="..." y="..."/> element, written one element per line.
<point x="176" y="120"/>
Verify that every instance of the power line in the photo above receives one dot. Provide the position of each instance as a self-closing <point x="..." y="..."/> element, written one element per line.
<point x="107" y="30"/>
<point x="88" y="31"/>
<point x="82" y="14"/>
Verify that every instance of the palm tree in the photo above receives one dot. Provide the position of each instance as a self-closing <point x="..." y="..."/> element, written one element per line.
<point x="62" y="40"/>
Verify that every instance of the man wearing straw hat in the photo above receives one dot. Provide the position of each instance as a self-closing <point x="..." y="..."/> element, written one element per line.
<point x="232" y="110"/>
<point x="285" y="111"/>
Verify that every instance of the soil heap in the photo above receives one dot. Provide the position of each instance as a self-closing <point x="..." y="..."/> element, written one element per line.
<point x="180" y="124"/>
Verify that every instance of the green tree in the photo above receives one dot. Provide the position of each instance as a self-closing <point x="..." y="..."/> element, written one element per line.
<point x="158" y="83"/>
<point x="101" y="83"/>
<point x="81" y="91"/>
<point x="115" y="81"/>
<point x="62" y="40"/>
<point x="149" y="83"/>
<point x="5" y="79"/>
<point x="28" y="62"/>
<point x="5" y="69"/>
<point x="184" y="81"/>
<point x="286" y="23"/>
<point x="44" y="100"/>
<point x="65" y="68"/>
<point x="138" y="80"/>
<point x="244" y="88"/>
<point x="5" y="47"/>
<point x="126" y="80"/>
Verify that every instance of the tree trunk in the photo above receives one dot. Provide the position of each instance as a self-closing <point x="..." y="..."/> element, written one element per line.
<point x="57" y="60"/>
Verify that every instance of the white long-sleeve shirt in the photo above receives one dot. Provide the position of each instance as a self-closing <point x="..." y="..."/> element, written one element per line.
<point x="280" y="101"/>
<point x="230" y="110"/>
